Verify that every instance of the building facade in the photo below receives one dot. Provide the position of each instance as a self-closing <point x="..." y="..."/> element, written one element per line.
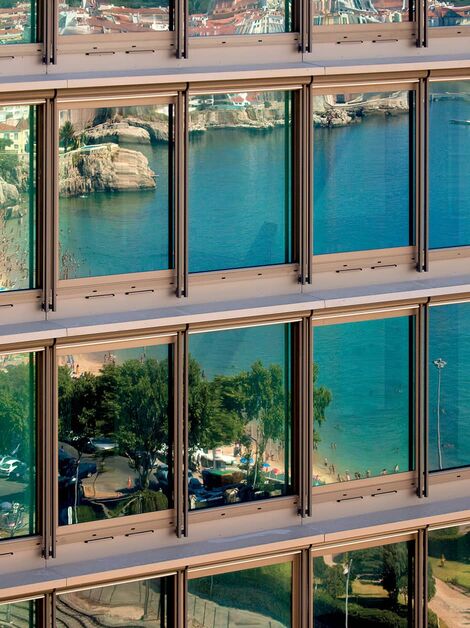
<point x="234" y="313"/>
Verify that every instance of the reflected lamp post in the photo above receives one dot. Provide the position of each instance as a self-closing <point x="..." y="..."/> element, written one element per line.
<point x="440" y="365"/>
<point x="347" y="573"/>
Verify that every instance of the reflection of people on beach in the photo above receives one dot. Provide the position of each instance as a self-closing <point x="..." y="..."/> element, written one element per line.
<point x="396" y="468"/>
<point x="368" y="473"/>
<point x="383" y="472"/>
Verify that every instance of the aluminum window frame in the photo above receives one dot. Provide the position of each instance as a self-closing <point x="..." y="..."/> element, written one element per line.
<point x="38" y="295"/>
<point x="374" y="259"/>
<point x="10" y="546"/>
<point x="233" y="566"/>
<point x="388" y="484"/>
<point x="296" y="501"/>
<point x="128" y="525"/>
<point x="132" y="282"/>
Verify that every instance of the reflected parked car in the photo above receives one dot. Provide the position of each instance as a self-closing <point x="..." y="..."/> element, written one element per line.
<point x="11" y="466"/>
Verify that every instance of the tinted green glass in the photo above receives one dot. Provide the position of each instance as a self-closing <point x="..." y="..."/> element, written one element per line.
<point x="240" y="179"/>
<point x="448" y="577"/>
<point x="115" y="166"/>
<point x="115" y="411"/>
<point x="449" y="387"/>
<point x="252" y="597"/>
<point x="141" y="603"/>
<point x="365" y="588"/>
<point x="449" y="164"/>
<point x="229" y="17"/>
<point x="372" y="12"/>
<point x="17" y="197"/>
<point x="240" y="415"/>
<point x="351" y="189"/>
<point x="363" y="399"/>
<point x="18" y="425"/>
<point x="18" y="20"/>
<point x="101" y="17"/>
<point x="19" y="615"/>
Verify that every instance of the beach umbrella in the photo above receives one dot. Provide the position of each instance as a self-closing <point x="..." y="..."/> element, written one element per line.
<point x="265" y="465"/>
<point x="276" y="471"/>
<point x="243" y="460"/>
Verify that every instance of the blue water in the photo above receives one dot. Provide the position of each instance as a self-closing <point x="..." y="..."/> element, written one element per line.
<point x="238" y="198"/>
<point x="366" y="367"/>
<point x="362" y="186"/>
<point x="450" y="177"/>
<point x="450" y="341"/>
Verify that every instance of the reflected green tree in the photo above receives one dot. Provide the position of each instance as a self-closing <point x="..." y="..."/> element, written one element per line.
<point x="321" y="400"/>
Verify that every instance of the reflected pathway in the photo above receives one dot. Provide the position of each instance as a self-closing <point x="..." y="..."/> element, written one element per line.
<point x="451" y="605"/>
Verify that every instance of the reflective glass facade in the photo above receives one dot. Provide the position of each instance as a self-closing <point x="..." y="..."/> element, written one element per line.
<point x="240" y="416"/>
<point x="17" y="197"/>
<point x="448" y="583"/>
<point x="115" y="414"/>
<point x="18" y="21"/>
<point x="253" y="597"/>
<point x="449" y="164"/>
<point x="115" y="169"/>
<point x="348" y="130"/>
<point x="100" y="17"/>
<point x="240" y="180"/>
<point x="449" y="386"/>
<point x="19" y="614"/>
<point x="365" y="588"/>
<point x="143" y="602"/>
<point x="363" y="399"/>
<point x="232" y="17"/>
<point x="18" y="445"/>
<point x="373" y="12"/>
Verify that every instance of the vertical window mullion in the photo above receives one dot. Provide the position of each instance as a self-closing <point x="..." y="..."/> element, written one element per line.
<point x="422" y="170"/>
<point x="422" y="349"/>
<point x="181" y="194"/>
<point x="306" y="588"/>
<point x="182" y="16"/>
<point x="181" y="434"/>
<point x="181" y="599"/>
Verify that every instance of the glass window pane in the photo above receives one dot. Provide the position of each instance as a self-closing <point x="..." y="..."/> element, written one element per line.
<point x="142" y="603"/>
<point x="115" y="413"/>
<point x="455" y="13"/>
<point x="253" y="597"/>
<point x="18" y="427"/>
<point x="18" y="21"/>
<point x="114" y="189"/>
<point x="222" y="18"/>
<point x="449" y="164"/>
<point x="240" y="180"/>
<point x="365" y="588"/>
<point x="363" y="399"/>
<point x="101" y="17"/>
<point x="19" y="614"/>
<point x="371" y="12"/>
<point x="351" y="189"/>
<point x="239" y="415"/>
<point x="449" y="387"/>
<point x="448" y="577"/>
<point x="17" y="197"/>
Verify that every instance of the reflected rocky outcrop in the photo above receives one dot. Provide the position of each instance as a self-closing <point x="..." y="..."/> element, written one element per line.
<point x="331" y="111"/>
<point x="105" y="167"/>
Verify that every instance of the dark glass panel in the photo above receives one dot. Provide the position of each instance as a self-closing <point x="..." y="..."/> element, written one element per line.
<point x="17" y="197"/>
<point x="115" y="413"/>
<point x="448" y="577"/>
<point x="363" y="156"/>
<point x="239" y="17"/>
<point x="101" y="17"/>
<point x="449" y="164"/>
<point x="239" y="415"/>
<point x="253" y="597"/>
<point x="240" y="180"/>
<point x="363" y="399"/>
<point x="127" y="605"/>
<point x="365" y="588"/>
<point x="18" y="21"/>
<point x="114" y="191"/>
<point x="18" y="427"/>
<point x="449" y="387"/>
